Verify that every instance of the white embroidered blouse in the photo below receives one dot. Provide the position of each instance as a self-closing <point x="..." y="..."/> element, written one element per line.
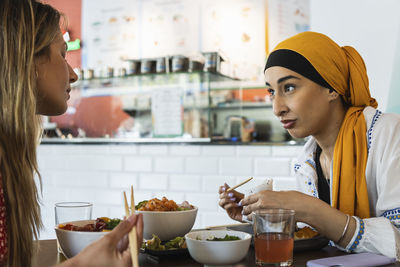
<point x="380" y="233"/>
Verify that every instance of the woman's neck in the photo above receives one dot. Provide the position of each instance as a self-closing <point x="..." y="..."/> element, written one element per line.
<point x="326" y="139"/>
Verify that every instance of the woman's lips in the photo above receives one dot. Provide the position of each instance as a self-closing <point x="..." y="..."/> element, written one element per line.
<point x="288" y="124"/>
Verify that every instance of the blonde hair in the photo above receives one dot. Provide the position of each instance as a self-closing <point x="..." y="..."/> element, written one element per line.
<point x="27" y="29"/>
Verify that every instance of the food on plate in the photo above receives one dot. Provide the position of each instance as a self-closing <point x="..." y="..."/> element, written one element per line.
<point x="164" y="204"/>
<point x="155" y="243"/>
<point x="225" y="238"/>
<point x="304" y="233"/>
<point x="102" y="224"/>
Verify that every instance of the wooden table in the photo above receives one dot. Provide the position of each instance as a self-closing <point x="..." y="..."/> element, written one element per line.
<point x="48" y="256"/>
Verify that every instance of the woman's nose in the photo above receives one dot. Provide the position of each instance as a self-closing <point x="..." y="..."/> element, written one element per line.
<point x="73" y="77"/>
<point x="279" y="106"/>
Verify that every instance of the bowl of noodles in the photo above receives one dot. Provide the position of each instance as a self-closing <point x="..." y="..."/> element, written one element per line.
<point x="165" y="218"/>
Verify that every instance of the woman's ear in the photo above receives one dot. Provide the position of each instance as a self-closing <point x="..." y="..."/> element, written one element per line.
<point x="333" y="95"/>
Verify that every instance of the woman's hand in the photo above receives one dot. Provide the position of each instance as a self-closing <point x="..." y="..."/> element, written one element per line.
<point x="277" y="200"/>
<point x="112" y="249"/>
<point x="229" y="202"/>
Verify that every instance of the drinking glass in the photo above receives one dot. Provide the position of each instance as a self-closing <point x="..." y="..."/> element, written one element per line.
<point x="72" y="211"/>
<point x="273" y="237"/>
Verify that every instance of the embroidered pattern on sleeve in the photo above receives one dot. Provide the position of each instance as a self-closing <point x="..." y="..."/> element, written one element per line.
<point x="394" y="216"/>
<point x="360" y="234"/>
<point x="374" y="120"/>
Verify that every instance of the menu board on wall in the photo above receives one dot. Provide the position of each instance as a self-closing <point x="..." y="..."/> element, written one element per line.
<point x="287" y="18"/>
<point x="152" y="28"/>
<point x="236" y="28"/>
<point x="110" y="32"/>
<point x="169" y="28"/>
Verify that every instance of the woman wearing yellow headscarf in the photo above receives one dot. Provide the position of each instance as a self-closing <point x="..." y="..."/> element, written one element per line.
<point x="351" y="161"/>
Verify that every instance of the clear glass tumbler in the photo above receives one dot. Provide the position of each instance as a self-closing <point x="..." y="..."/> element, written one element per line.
<point x="72" y="211"/>
<point x="273" y="237"/>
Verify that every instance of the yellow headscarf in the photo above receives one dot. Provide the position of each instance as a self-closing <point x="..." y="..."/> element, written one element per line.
<point x="344" y="70"/>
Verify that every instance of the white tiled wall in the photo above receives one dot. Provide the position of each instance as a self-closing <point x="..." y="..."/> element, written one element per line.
<point x="100" y="173"/>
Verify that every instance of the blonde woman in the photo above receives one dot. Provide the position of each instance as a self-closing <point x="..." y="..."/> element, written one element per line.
<point x="348" y="172"/>
<point x="35" y="79"/>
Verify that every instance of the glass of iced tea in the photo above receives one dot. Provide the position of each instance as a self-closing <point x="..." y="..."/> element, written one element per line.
<point x="273" y="237"/>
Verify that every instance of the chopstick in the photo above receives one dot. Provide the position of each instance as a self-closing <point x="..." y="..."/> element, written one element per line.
<point x="225" y="225"/>
<point x="236" y="186"/>
<point x="132" y="234"/>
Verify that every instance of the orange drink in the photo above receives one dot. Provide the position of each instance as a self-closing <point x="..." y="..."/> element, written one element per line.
<point x="273" y="237"/>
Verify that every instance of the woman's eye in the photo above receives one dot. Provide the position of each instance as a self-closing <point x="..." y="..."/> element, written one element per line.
<point x="289" y="87"/>
<point x="271" y="91"/>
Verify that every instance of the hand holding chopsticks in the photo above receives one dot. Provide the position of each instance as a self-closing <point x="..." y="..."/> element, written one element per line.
<point x="132" y="234"/>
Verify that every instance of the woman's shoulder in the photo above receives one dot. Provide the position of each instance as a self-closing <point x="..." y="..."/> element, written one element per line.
<point x="381" y="126"/>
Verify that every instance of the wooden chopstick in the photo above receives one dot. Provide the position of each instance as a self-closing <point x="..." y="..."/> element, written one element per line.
<point x="132" y="234"/>
<point x="236" y="186"/>
<point x="226" y="225"/>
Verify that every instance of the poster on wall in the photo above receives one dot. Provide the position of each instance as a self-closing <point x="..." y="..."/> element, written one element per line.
<point x="169" y="28"/>
<point x="110" y="33"/>
<point x="236" y="28"/>
<point x="286" y="18"/>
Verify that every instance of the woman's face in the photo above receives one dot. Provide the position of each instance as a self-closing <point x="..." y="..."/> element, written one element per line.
<point x="302" y="106"/>
<point x="54" y="76"/>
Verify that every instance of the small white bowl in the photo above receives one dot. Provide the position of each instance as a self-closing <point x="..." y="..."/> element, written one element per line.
<point x="217" y="252"/>
<point x="72" y="242"/>
<point x="168" y="224"/>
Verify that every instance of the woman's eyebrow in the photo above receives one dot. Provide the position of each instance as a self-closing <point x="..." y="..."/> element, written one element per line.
<point x="283" y="79"/>
<point x="287" y="77"/>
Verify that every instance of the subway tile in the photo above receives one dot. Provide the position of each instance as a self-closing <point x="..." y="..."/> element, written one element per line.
<point x="81" y="178"/>
<point x="116" y="211"/>
<point x="212" y="183"/>
<point x="138" y="164"/>
<point x="254" y="150"/>
<point x="123" y="180"/>
<point x="188" y="183"/>
<point x="141" y="195"/>
<point x="216" y="150"/>
<point x="236" y="166"/>
<point x="185" y="150"/>
<point x="205" y="202"/>
<point x="201" y="165"/>
<point x="272" y="166"/>
<point x="153" y="149"/>
<point x="153" y="182"/>
<point x="102" y="210"/>
<point x="81" y="149"/>
<point x="45" y="149"/>
<point x="82" y="194"/>
<point x="123" y="149"/>
<point x="168" y="164"/>
<point x="109" y="197"/>
<point x="289" y="151"/>
<point x="85" y="162"/>
<point x="284" y="183"/>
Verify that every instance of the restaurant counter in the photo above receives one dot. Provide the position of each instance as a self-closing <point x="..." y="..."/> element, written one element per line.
<point x="48" y="256"/>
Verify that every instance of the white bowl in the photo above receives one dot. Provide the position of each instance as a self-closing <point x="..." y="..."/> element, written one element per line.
<point x="217" y="252"/>
<point x="168" y="224"/>
<point x="72" y="242"/>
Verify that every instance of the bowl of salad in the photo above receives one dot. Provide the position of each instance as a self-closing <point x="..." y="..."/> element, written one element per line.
<point x="218" y="247"/>
<point x="165" y="218"/>
<point x="75" y="236"/>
